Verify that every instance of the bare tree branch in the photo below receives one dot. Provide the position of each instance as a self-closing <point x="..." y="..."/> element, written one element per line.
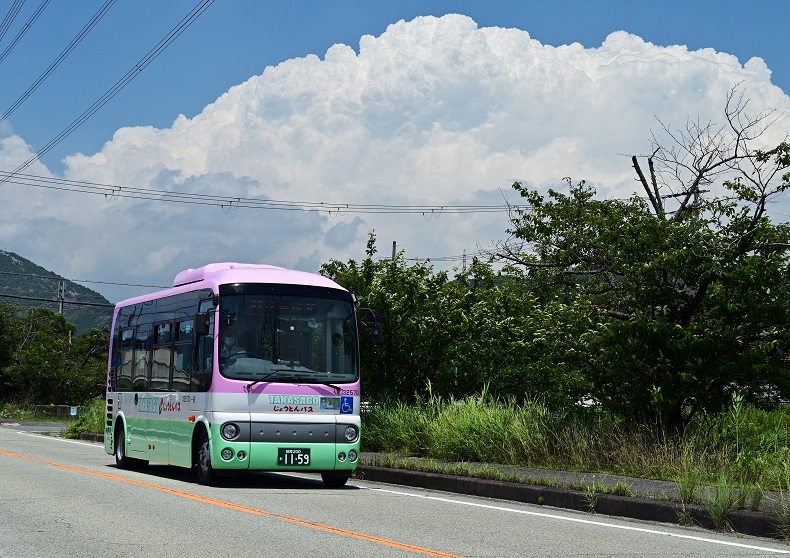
<point x="655" y="200"/>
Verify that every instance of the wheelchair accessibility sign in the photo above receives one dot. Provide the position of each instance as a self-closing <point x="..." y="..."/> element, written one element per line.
<point x="344" y="404"/>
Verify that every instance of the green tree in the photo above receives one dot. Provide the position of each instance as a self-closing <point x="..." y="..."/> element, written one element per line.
<point x="7" y="334"/>
<point x="84" y="375"/>
<point x="42" y="361"/>
<point x="406" y="296"/>
<point x="456" y="337"/>
<point x="692" y="300"/>
<point x="504" y="339"/>
<point x="39" y="348"/>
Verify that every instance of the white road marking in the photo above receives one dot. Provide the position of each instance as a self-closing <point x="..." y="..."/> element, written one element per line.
<point x="59" y="439"/>
<point x="585" y="521"/>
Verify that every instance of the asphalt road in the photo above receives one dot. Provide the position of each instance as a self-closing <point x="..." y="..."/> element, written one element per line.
<point x="66" y="498"/>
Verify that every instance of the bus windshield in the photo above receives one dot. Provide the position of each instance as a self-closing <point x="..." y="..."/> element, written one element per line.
<point x="284" y="338"/>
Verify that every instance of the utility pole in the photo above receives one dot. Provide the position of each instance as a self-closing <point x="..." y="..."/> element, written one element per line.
<point x="394" y="244"/>
<point x="61" y="295"/>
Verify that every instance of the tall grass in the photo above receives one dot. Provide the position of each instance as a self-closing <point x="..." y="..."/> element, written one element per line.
<point x="744" y="447"/>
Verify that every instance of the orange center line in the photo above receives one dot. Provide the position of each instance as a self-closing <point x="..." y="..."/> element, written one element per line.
<point x="245" y="509"/>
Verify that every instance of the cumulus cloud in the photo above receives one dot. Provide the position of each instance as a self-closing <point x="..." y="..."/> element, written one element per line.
<point x="435" y="111"/>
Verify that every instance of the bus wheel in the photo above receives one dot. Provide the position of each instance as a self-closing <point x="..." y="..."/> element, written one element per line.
<point x="332" y="480"/>
<point x="205" y="472"/>
<point x="121" y="460"/>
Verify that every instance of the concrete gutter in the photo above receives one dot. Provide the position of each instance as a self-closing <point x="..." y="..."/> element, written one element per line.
<point x="754" y="523"/>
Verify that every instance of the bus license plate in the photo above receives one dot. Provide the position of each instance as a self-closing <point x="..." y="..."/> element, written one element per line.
<point x="293" y="457"/>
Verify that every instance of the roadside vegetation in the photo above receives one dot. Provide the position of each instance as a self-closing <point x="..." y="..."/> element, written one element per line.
<point x="748" y="450"/>
<point x="24" y="412"/>
<point x="91" y="422"/>
<point x="736" y="459"/>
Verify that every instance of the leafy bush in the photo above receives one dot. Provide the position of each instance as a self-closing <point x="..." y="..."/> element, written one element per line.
<point x="91" y="421"/>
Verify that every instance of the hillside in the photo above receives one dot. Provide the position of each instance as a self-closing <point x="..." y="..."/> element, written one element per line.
<point x="23" y="279"/>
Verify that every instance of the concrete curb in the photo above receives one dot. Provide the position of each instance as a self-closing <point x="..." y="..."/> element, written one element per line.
<point x="758" y="524"/>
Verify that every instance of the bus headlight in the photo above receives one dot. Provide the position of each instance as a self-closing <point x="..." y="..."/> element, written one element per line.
<point x="350" y="434"/>
<point x="352" y="456"/>
<point x="227" y="454"/>
<point x="229" y="431"/>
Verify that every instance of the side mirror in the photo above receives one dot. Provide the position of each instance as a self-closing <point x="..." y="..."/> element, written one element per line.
<point x="374" y="326"/>
<point x="203" y="318"/>
<point x="202" y="323"/>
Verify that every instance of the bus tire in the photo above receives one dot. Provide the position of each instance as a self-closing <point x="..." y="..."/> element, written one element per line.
<point x="333" y="480"/>
<point x="206" y="474"/>
<point x="121" y="460"/>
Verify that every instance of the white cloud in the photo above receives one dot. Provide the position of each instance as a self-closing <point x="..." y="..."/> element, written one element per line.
<point x="434" y="111"/>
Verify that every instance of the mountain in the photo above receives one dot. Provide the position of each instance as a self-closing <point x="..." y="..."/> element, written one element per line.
<point x="28" y="285"/>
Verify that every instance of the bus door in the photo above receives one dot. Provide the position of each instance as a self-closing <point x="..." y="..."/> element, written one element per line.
<point x="133" y="378"/>
<point x="182" y="402"/>
<point x="157" y="424"/>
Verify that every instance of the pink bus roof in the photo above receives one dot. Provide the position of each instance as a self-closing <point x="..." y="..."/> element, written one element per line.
<point x="210" y="271"/>
<point x="215" y="274"/>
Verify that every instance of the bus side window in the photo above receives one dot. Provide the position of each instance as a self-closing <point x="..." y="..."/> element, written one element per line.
<point x="182" y="354"/>
<point x="142" y="357"/>
<point x="162" y="355"/>
<point x="126" y="364"/>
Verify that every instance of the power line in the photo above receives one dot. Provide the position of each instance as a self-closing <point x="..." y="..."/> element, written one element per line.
<point x="57" y="278"/>
<point x="10" y="16"/>
<point x="227" y="203"/>
<point x="58" y="301"/>
<point x="174" y="33"/>
<point x="24" y="29"/>
<point x="461" y="258"/>
<point x="60" y="58"/>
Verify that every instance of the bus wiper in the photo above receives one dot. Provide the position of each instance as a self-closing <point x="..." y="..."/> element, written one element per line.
<point x="267" y="376"/>
<point x="312" y="381"/>
<point x="264" y="378"/>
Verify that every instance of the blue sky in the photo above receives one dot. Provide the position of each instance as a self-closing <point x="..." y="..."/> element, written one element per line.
<point x="434" y="110"/>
